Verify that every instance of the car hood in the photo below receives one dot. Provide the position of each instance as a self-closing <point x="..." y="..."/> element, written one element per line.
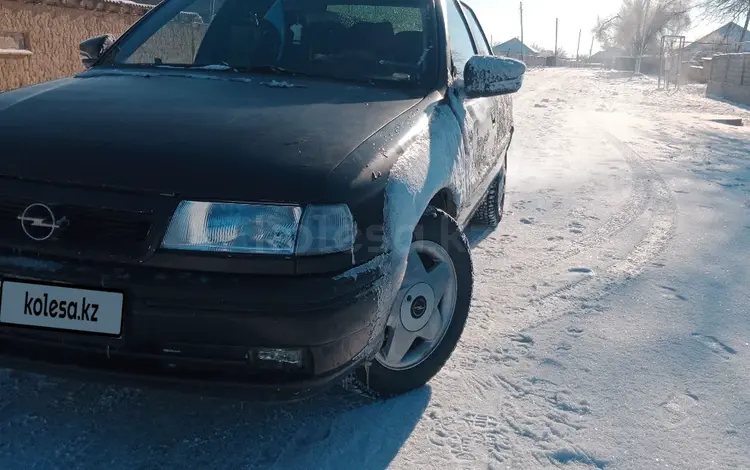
<point x="197" y="135"/>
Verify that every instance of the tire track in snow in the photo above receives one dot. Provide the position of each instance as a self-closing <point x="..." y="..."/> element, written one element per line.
<point x="536" y="415"/>
<point x="661" y="229"/>
<point x="527" y="415"/>
<point x="639" y="198"/>
<point x="649" y="193"/>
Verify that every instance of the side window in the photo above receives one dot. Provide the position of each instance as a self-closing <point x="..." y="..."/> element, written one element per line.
<point x="461" y="46"/>
<point x="483" y="47"/>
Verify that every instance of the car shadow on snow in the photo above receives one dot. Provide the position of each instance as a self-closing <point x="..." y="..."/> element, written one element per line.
<point x="477" y="235"/>
<point x="55" y="423"/>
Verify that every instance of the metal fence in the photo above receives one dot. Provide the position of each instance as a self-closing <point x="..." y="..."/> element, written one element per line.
<point x="690" y="67"/>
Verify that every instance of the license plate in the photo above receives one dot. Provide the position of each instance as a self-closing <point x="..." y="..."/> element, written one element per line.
<point x="62" y="308"/>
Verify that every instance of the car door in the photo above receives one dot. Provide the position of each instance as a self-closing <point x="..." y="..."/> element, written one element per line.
<point x="474" y="114"/>
<point x="492" y="161"/>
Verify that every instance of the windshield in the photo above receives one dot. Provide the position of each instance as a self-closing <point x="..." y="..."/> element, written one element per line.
<point x="348" y="39"/>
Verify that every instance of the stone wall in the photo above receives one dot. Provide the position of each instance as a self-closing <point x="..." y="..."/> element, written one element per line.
<point x="730" y="77"/>
<point x="51" y="33"/>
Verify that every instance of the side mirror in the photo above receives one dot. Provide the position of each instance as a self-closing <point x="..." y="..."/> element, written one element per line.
<point x="92" y="49"/>
<point x="486" y="76"/>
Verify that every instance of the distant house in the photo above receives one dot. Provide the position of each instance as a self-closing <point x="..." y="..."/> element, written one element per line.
<point x="723" y="40"/>
<point x="608" y="55"/>
<point x="514" y="48"/>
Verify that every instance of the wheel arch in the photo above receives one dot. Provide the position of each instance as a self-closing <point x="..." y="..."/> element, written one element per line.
<point x="445" y="201"/>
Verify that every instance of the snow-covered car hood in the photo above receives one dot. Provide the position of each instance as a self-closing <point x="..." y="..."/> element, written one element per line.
<point x="198" y="135"/>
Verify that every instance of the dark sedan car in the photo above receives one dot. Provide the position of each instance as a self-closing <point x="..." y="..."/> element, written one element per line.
<point x="259" y="193"/>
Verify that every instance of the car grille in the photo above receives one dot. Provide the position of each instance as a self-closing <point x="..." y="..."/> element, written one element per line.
<point x="91" y="231"/>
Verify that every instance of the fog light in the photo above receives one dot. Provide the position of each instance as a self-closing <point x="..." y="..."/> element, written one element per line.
<point x="279" y="357"/>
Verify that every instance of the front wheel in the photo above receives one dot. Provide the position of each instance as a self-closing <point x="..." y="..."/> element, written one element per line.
<point x="429" y="312"/>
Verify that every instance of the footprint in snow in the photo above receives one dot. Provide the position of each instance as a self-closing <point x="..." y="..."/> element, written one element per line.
<point x="551" y="363"/>
<point x="576" y="456"/>
<point x="581" y="270"/>
<point x="540" y="105"/>
<point x="574" y="331"/>
<point x="522" y="339"/>
<point x="671" y="293"/>
<point x="715" y="345"/>
<point x="564" y="401"/>
<point x="527" y="220"/>
<point x="677" y="408"/>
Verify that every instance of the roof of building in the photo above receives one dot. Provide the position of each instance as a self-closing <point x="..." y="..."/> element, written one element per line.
<point x="514" y="46"/>
<point x="125" y="7"/>
<point x="608" y="53"/>
<point x="730" y="33"/>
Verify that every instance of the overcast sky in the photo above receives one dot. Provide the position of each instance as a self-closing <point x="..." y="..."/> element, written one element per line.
<point x="500" y="19"/>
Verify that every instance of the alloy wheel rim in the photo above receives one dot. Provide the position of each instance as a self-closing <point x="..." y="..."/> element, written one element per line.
<point x="423" y="309"/>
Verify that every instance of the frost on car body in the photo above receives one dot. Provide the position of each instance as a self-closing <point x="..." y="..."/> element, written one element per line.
<point x="497" y="74"/>
<point x="296" y="230"/>
<point x="434" y="157"/>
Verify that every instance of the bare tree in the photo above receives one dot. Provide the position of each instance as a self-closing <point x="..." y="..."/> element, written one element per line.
<point x="729" y="10"/>
<point x="537" y="47"/>
<point x="640" y="23"/>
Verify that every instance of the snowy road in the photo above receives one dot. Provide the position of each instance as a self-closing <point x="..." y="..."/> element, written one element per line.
<point x="609" y="328"/>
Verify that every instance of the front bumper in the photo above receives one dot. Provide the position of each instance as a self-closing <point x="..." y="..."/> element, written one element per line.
<point x="201" y="331"/>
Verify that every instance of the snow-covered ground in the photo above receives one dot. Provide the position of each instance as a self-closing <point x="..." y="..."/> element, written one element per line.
<point x="610" y="326"/>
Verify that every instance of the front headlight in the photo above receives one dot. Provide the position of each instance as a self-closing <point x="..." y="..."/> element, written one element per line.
<point x="260" y="228"/>
<point x="325" y="229"/>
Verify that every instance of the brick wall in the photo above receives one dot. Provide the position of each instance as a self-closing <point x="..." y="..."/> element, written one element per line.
<point x="730" y="77"/>
<point x="52" y="34"/>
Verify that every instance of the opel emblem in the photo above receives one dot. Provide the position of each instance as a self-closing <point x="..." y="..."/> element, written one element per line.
<point x="39" y="223"/>
<point x="418" y="307"/>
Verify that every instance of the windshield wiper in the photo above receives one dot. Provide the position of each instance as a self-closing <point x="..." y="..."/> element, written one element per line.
<point x="274" y="69"/>
<point x="210" y="67"/>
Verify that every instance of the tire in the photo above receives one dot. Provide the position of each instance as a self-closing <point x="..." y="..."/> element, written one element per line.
<point x="490" y="211"/>
<point x="378" y="378"/>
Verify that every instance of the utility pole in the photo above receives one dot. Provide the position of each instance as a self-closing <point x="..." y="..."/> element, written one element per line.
<point x="578" y="49"/>
<point x="591" y="50"/>
<point x="741" y="46"/>
<point x="557" y="28"/>
<point x="523" y="48"/>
